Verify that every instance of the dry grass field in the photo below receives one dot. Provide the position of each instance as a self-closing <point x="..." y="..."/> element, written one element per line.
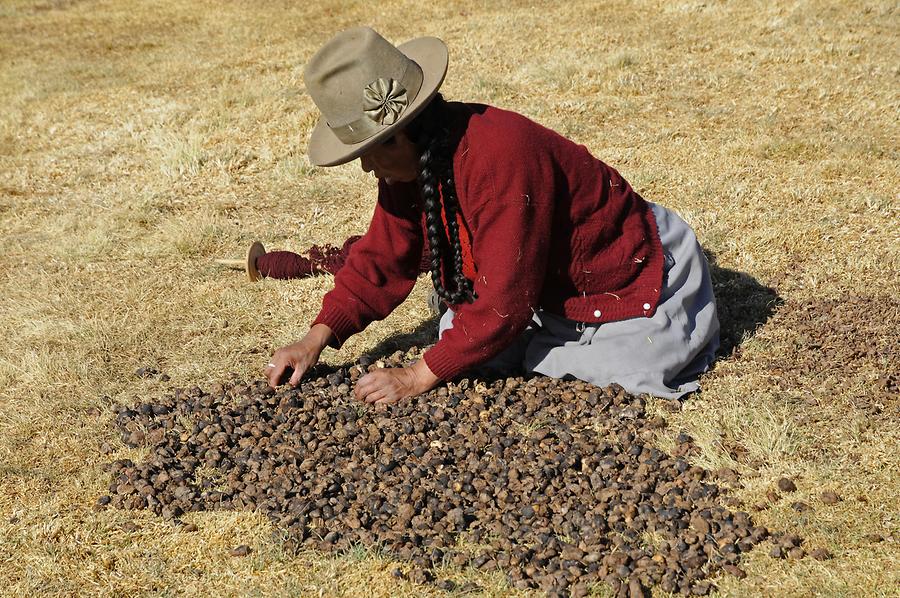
<point x="140" y="140"/>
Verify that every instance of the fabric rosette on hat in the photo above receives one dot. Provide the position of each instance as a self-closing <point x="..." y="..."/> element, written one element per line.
<point x="384" y="101"/>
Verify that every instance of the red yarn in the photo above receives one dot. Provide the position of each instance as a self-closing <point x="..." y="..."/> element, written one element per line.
<point x="285" y="265"/>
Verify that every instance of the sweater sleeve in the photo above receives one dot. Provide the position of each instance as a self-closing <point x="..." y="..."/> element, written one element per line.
<point x="381" y="268"/>
<point x="513" y="199"/>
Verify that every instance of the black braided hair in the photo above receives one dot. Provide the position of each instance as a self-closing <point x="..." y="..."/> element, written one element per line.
<point x="431" y="133"/>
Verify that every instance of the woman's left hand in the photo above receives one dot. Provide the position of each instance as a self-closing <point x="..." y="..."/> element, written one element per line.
<point x="389" y="385"/>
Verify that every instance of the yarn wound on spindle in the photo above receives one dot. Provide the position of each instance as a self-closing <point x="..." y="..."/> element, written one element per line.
<point x="286" y="265"/>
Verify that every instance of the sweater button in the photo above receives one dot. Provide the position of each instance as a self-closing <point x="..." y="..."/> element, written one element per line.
<point x="596" y="313"/>
<point x="646" y="306"/>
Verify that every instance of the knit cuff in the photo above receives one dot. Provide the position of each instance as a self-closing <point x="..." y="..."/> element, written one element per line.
<point x="441" y="362"/>
<point x="341" y="326"/>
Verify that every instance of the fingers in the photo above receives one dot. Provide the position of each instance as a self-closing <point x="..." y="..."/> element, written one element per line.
<point x="377" y="395"/>
<point x="381" y="405"/>
<point x="278" y="373"/>
<point x="295" y="377"/>
<point x="274" y="371"/>
<point x="379" y="388"/>
<point x="375" y="386"/>
<point x="358" y="390"/>
<point x="290" y="363"/>
<point x="366" y="385"/>
<point x="382" y="387"/>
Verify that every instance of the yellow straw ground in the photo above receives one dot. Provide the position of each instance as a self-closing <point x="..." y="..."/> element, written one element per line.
<point x="141" y="140"/>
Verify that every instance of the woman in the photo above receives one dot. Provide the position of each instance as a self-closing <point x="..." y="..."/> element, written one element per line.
<point x="548" y="260"/>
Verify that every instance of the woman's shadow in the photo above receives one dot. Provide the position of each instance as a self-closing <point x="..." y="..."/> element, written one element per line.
<point x="742" y="302"/>
<point x="423" y="335"/>
<point x="743" y="305"/>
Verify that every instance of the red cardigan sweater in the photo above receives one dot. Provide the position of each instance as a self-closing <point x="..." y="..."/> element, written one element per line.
<point x="551" y="227"/>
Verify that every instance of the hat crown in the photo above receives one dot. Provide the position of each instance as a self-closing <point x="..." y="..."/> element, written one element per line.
<point x="366" y="88"/>
<point x="338" y="74"/>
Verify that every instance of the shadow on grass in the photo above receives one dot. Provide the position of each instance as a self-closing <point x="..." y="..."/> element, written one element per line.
<point x="424" y="334"/>
<point x="743" y="305"/>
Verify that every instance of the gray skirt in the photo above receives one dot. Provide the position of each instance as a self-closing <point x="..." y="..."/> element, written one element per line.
<point x="662" y="355"/>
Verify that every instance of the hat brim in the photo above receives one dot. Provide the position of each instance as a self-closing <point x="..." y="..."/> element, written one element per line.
<point x="430" y="53"/>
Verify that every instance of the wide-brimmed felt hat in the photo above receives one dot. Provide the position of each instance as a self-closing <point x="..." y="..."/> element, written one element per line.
<point x="367" y="89"/>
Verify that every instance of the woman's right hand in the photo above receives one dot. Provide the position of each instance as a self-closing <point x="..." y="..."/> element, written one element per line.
<point x="299" y="356"/>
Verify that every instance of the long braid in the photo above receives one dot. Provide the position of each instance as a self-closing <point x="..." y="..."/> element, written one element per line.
<point x="436" y="181"/>
<point x="463" y="285"/>
<point x="433" y="225"/>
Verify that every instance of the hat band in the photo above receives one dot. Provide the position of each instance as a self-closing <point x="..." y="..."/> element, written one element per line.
<point x="384" y="101"/>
